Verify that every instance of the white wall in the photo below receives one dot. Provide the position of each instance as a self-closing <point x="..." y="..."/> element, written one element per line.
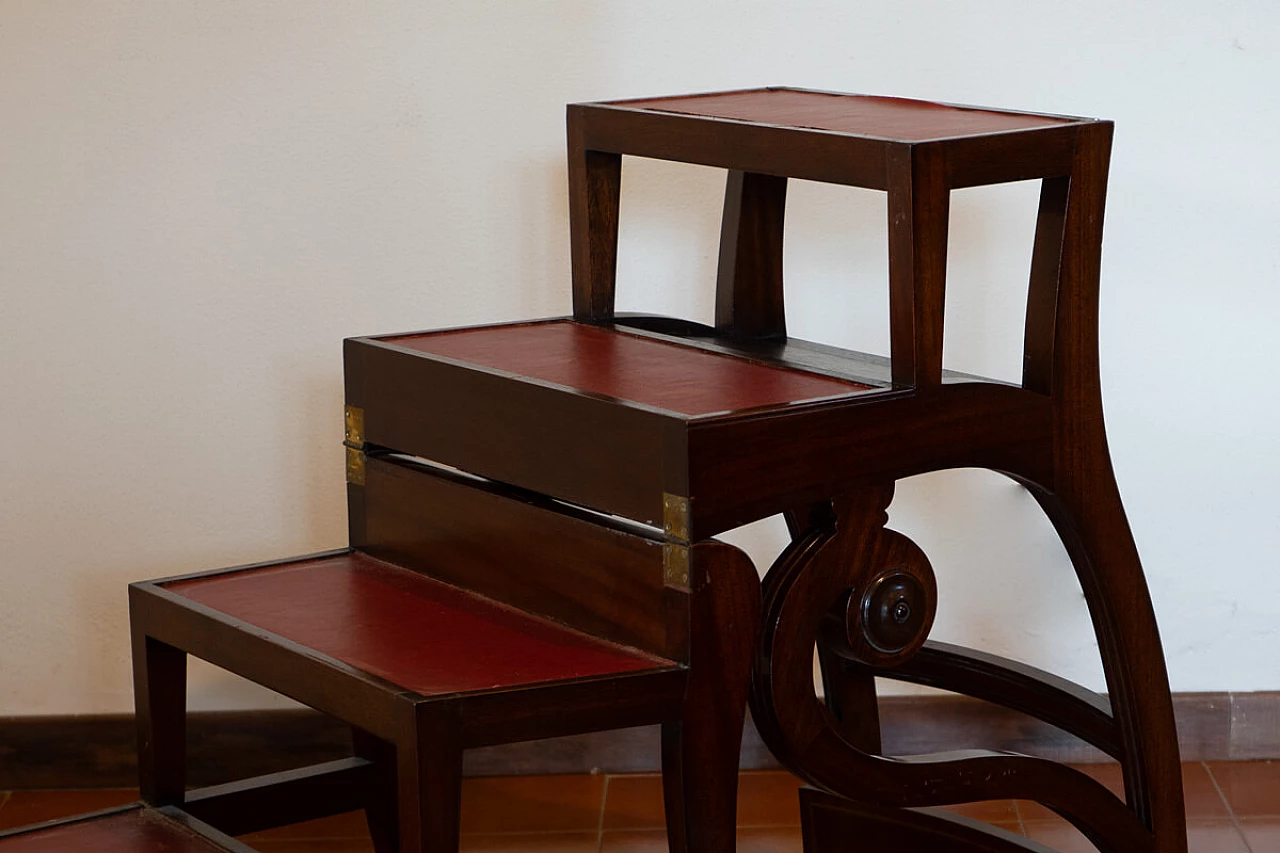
<point x="199" y="200"/>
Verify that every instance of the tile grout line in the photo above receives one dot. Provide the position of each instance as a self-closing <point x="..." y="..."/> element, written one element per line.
<point x="604" y="801"/>
<point x="1235" y="821"/>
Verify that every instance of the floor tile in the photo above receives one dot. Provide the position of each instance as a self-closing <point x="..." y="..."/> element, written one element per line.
<point x="767" y="798"/>
<point x="348" y="825"/>
<point x="534" y="842"/>
<point x="750" y="840"/>
<point x="1218" y="836"/>
<point x="26" y="807"/>
<point x="1251" y="787"/>
<point x="1262" y="833"/>
<point x="313" y="845"/>
<point x="1203" y="836"/>
<point x="1200" y="794"/>
<point x="1001" y="812"/>
<point x="532" y="804"/>
<point x="511" y="842"/>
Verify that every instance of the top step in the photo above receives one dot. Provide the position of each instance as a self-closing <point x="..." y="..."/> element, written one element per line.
<point x="831" y="137"/>
<point x="868" y="116"/>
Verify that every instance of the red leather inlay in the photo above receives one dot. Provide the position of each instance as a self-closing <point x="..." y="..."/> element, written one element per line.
<point x="863" y="115"/>
<point x="136" y="831"/>
<point x="409" y="629"/>
<point x="605" y="361"/>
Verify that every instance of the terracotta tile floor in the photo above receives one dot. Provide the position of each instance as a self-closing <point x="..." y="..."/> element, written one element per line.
<point x="1231" y="808"/>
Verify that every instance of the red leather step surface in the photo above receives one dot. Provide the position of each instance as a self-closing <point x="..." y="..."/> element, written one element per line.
<point x="134" y="831"/>
<point x="628" y="367"/>
<point x="864" y="115"/>
<point x="409" y="629"/>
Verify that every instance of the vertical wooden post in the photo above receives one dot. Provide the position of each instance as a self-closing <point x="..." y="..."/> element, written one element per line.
<point x="595" y="187"/>
<point x="160" y="698"/>
<point x="919" y="210"/>
<point x="700" y="753"/>
<point x="749" y="298"/>
<point x="429" y="778"/>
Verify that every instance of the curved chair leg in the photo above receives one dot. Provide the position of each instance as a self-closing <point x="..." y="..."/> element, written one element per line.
<point x="1085" y="508"/>
<point x="700" y="753"/>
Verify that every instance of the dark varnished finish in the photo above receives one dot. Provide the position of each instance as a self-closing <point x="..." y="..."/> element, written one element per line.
<point x="701" y="435"/>
<point x="422" y="667"/>
<point x="476" y="536"/>
<point x="700" y="750"/>
<point x="290" y="796"/>
<point x="1047" y="434"/>
<point x="749" y="298"/>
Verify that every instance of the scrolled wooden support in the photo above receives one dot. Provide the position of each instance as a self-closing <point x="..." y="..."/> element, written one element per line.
<point x="885" y="619"/>
<point x="822" y="564"/>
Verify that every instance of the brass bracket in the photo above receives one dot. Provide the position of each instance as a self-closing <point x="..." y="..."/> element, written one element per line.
<point x="675" y="565"/>
<point x="675" y="516"/>
<point x="355" y="466"/>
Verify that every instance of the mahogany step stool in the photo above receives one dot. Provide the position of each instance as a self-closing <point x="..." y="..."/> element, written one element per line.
<point x="700" y="429"/>
<point x="465" y="614"/>
<point x="126" y="829"/>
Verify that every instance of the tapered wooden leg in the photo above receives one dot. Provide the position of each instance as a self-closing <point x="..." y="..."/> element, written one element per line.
<point x="429" y="782"/>
<point x="160" y="699"/>
<point x="700" y="753"/>
<point x="380" y="804"/>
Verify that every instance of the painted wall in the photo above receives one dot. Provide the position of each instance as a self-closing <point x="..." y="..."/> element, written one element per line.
<point x="199" y="200"/>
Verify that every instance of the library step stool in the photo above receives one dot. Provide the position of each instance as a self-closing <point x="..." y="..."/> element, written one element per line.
<point x="698" y="430"/>
<point x="465" y="614"/>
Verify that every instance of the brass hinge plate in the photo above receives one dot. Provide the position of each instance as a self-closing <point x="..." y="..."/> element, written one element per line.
<point x="675" y="516"/>
<point x="353" y="418"/>
<point x="355" y="466"/>
<point x="675" y="565"/>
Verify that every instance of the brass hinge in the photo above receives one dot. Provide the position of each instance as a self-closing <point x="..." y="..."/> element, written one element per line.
<point x="353" y="418"/>
<point x="353" y="438"/>
<point x="675" y="565"/>
<point x="355" y="466"/>
<point x="675" y="516"/>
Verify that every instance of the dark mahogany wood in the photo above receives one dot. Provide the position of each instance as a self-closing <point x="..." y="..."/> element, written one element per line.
<point x="508" y="546"/>
<point x="423" y="669"/>
<point x="1047" y="434"/>
<point x="602" y="453"/>
<point x="700" y="750"/>
<point x="127" y="829"/>
<point x="749" y="298"/>
<point x="290" y="796"/>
